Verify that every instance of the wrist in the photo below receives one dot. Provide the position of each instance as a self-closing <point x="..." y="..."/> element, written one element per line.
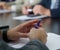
<point x="8" y="34"/>
<point x="5" y="37"/>
<point x="3" y="33"/>
<point x="48" y="12"/>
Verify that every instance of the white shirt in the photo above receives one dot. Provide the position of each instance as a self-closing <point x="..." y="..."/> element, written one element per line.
<point x="54" y="4"/>
<point x="31" y="1"/>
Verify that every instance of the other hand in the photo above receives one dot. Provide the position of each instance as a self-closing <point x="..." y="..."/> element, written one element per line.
<point x="38" y="9"/>
<point x="38" y="34"/>
<point x="21" y="31"/>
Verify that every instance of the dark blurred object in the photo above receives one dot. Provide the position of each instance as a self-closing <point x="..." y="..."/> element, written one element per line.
<point x="7" y="0"/>
<point x="32" y="15"/>
<point x="4" y="27"/>
<point x="31" y="12"/>
<point x="58" y="49"/>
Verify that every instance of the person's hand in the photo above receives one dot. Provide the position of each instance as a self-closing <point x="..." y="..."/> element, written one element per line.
<point x="38" y="34"/>
<point x="3" y="5"/>
<point x="21" y="31"/>
<point x="24" y="10"/>
<point x="15" y="36"/>
<point x="25" y="27"/>
<point x="38" y="9"/>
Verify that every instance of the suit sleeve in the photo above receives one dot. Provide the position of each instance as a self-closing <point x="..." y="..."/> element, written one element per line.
<point x="35" y="45"/>
<point x="55" y="12"/>
<point x="43" y="2"/>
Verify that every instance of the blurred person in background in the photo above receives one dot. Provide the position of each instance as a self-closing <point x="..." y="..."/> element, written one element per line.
<point x="6" y="4"/>
<point x="45" y="7"/>
<point x="3" y="5"/>
<point x="18" y="4"/>
<point x="21" y="3"/>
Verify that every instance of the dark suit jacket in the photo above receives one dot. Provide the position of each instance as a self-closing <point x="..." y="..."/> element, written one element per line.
<point x="47" y="4"/>
<point x="32" y="45"/>
<point x="7" y="0"/>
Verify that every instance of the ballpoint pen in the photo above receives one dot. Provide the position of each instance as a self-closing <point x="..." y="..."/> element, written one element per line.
<point x="38" y="24"/>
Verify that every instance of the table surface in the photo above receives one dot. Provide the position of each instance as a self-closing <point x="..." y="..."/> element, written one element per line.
<point x="51" y="25"/>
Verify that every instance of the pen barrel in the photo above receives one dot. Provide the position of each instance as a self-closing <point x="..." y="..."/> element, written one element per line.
<point x="38" y="24"/>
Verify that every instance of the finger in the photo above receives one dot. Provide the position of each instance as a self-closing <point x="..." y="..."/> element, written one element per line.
<point x="41" y="13"/>
<point x="23" y="35"/>
<point x="36" y="12"/>
<point x="24" y="25"/>
<point x="30" y="22"/>
<point x="24" y="10"/>
<point x="26" y="13"/>
<point x="29" y="28"/>
<point x="28" y="7"/>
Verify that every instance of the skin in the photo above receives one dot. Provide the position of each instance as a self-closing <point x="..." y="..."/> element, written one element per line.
<point x="3" y="5"/>
<point x="39" y="34"/>
<point x="27" y="30"/>
<point x="38" y="9"/>
<point x="21" y="31"/>
<point x="24" y="10"/>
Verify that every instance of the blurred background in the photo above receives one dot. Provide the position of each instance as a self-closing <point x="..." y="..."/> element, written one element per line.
<point x="12" y="8"/>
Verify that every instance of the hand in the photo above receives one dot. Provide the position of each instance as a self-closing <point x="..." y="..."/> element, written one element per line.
<point x="25" y="27"/>
<point x="24" y="10"/>
<point x="3" y="5"/>
<point x="38" y="34"/>
<point x="38" y="9"/>
<point x="21" y="31"/>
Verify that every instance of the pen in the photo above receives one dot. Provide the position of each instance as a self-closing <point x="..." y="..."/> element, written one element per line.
<point x="38" y="24"/>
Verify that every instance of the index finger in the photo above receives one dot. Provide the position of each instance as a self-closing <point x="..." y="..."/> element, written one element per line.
<point x="23" y="35"/>
<point x="30" y="22"/>
<point x="26" y="24"/>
